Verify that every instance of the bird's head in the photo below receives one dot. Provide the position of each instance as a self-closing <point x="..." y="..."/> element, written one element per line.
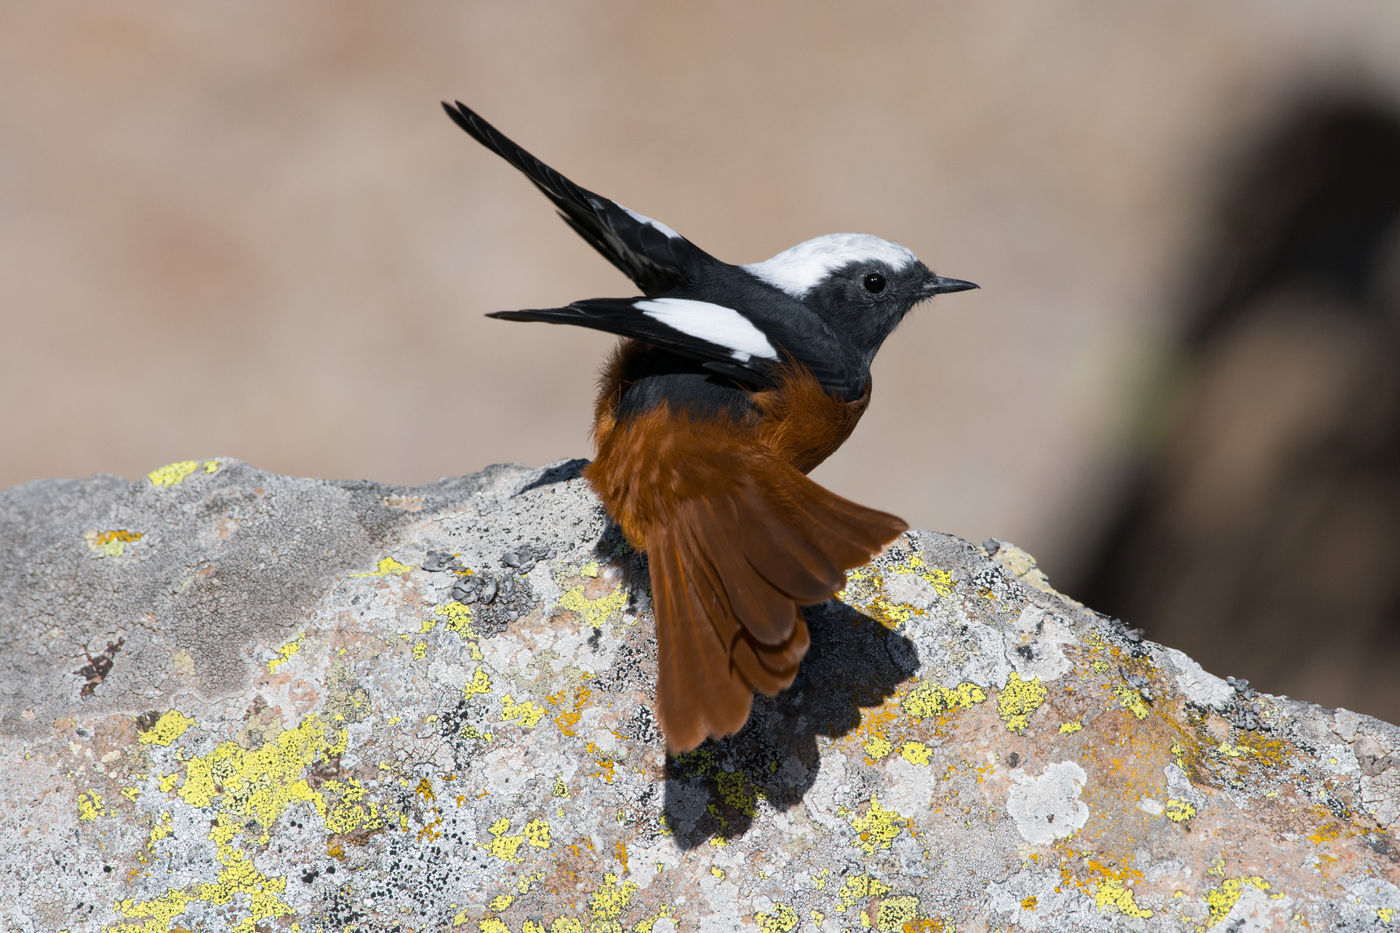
<point x="860" y="285"/>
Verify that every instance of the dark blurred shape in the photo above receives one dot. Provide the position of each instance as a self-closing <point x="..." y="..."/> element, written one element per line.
<point x="1261" y="532"/>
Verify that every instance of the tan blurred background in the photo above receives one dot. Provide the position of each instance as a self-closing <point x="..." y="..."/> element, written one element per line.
<point x="248" y="230"/>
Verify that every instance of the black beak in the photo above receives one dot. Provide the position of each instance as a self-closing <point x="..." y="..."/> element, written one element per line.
<point x="938" y="285"/>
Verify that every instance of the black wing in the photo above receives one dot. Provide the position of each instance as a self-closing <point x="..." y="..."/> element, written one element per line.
<point x="733" y="348"/>
<point x="649" y="253"/>
<point x="723" y="339"/>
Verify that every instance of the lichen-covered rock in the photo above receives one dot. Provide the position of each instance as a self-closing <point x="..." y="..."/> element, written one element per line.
<point x="240" y="701"/>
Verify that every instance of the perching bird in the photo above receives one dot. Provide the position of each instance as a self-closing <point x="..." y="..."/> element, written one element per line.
<point x="733" y="382"/>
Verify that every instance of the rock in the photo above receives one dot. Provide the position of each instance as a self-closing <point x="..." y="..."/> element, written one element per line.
<point x="236" y="701"/>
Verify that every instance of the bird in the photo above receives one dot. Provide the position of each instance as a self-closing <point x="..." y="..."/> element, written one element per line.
<point x="731" y="383"/>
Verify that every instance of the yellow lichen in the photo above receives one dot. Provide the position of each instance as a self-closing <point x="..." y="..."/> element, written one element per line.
<point x="783" y="919"/>
<point x="458" y="618"/>
<point x="172" y="474"/>
<point x="878" y="827"/>
<point x="386" y="567"/>
<point x="1018" y="700"/>
<point x="611" y="898"/>
<point x="263" y="782"/>
<point x="916" y="753"/>
<point x="1221" y="900"/>
<point x="169" y="727"/>
<point x="941" y="580"/>
<point x="738" y="791"/>
<point x="527" y="714"/>
<point x="1112" y="895"/>
<point x="480" y="683"/>
<point x="859" y="888"/>
<point x="537" y="833"/>
<point x="896" y="913"/>
<point x="877" y="746"/>
<point x="1068" y="727"/>
<point x="929" y="700"/>
<point x="284" y="654"/>
<point x="259" y="894"/>
<point x="891" y="614"/>
<point x="594" y="611"/>
<point x="349" y="813"/>
<point x="157" y="914"/>
<point x="649" y="924"/>
<point x="110" y="543"/>
<point x="1132" y="701"/>
<point x="1179" y="811"/>
<point x="159" y="830"/>
<point x="90" y="805"/>
<point x="502" y="846"/>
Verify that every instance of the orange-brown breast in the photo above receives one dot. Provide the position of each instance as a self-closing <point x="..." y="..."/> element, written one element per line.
<point x="802" y="422"/>
<point x="798" y="420"/>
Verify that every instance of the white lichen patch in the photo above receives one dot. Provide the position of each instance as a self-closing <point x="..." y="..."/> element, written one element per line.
<point x="1048" y="807"/>
<point x="910" y="590"/>
<point x="911" y="787"/>
<point x="1151" y="806"/>
<point x="1198" y="685"/>
<point x="1034" y="899"/>
<point x="1035" y="646"/>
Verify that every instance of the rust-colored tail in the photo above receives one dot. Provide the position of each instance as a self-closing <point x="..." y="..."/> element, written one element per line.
<point x="737" y="540"/>
<point x="728" y="576"/>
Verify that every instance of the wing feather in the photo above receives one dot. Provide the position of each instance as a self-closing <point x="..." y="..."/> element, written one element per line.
<point x="649" y="253"/>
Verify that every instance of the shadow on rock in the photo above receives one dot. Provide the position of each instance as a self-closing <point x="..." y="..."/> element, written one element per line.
<point x="854" y="662"/>
<point x="560" y="472"/>
<point x="613" y="550"/>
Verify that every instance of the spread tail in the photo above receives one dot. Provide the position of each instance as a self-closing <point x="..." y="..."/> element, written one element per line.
<point x="729" y="571"/>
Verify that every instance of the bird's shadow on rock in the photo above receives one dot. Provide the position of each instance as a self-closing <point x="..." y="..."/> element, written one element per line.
<point x="854" y="662"/>
<point x="614" y="550"/>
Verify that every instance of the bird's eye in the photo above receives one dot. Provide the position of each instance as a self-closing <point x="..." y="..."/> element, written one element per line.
<point x="874" y="283"/>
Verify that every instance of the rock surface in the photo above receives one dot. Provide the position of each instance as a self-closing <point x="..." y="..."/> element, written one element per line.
<point x="240" y="701"/>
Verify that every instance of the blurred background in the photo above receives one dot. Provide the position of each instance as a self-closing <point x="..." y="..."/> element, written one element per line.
<point x="249" y="231"/>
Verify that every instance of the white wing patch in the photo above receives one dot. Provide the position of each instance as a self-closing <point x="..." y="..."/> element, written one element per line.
<point x="712" y="323"/>
<point x="800" y="269"/>
<point x="644" y="219"/>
